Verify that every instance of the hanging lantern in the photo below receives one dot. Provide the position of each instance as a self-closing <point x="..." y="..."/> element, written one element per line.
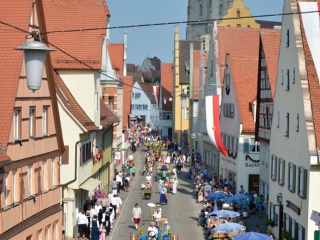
<point x="34" y="56"/>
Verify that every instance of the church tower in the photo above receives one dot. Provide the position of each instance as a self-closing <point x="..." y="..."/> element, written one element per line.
<point x="202" y="10"/>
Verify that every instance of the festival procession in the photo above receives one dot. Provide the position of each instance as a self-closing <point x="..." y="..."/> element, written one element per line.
<point x="158" y="176"/>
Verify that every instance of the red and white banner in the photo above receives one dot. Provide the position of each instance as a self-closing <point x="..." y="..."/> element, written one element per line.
<point x="213" y="122"/>
<point x="311" y="24"/>
<point x="156" y="90"/>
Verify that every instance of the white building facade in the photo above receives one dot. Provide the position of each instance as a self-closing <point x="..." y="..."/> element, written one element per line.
<point x="294" y="164"/>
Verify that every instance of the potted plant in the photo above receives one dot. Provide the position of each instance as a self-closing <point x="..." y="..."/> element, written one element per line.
<point x="285" y="235"/>
<point x="270" y="223"/>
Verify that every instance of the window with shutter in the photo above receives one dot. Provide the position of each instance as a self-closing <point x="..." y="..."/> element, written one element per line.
<point x="296" y="230"/>
<point x="287" y="126"/>
<point x="274" y="167"/>
<point x="246" y="145"/>
<point x="292" y="177"/>
<point x="290" y="225"/>
<point x="288" y="80"/>
<point x="286" y="222"/>
<point x="281" y="171"/>
<point x="302" y="188"/>
<point x="231" y="110"/>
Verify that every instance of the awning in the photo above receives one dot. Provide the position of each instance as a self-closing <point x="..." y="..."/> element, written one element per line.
<point x="90" y="184"/>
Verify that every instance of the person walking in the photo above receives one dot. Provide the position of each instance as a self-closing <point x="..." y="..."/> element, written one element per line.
<point x="114" y="187"/>
<point x="136" y="215"/>
<point x="94" y="228"/>
<point x="174" y="185"/>
<point x="157" y="216"/>
<point x="113" y="202"/>
<point x="82" y="221"/>
<point x="152" y="231"/>
<point x="163" y="195"/>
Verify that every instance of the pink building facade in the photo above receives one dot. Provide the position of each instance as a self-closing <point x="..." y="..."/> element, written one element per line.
<point x="30" y="137"/>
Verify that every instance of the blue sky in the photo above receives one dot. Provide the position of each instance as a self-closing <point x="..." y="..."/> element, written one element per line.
<point x="158" y="40"/>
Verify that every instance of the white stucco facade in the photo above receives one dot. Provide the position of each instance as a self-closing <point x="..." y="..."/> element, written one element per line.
<point x="142" y="107"/>
<point x="292" y="145"/>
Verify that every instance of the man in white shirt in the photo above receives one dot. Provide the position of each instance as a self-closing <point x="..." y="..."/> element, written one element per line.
<point x="119" y="203"/>
<point x="82" y="222"/>
<point x="153" y="231"/>
<point x="113" y="202"/>
<point x="136" y="214"/>
<point x="157" y="216"/>
<point x="119" y="181"/>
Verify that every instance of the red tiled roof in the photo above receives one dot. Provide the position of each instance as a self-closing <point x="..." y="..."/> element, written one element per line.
<point x="167" y="84"/>
<point x="106" y="115"/>
<point x="148" y="89"/>
<point x="271" y="45"/>
<point x="238" y="42"/>
<point x="196" y="74"/>
<point x="116" y="51"/>
<point x="244" y="72"/>
<point x="16" y="13"/>
<point x="84" y="45"/>
<point x="69" y="102"/>
<point x="127" y="92"/>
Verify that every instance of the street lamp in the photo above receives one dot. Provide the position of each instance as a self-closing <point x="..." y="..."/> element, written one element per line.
<point x="165" y="100"/>
<point x="279" y="200"/>
<point x="183" y="98"/>
<point x="34" y="56"/>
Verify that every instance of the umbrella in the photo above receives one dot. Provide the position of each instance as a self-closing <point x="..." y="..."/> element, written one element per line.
<point x="236" y="198"/>
<point x="216" y="196"/>
<point x="229" y="227"/>
<point x="251" y="236"/>
<point x="225" y="214"/>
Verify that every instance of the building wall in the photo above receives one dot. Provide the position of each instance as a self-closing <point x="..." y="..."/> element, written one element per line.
<point x="30" y="184"/>
<point x="293" y="148"/>
<point x="211" y="9"/>
<point x="87" y="79"/>
<point x="238" y="9"/>
<point x="152" y="113"/>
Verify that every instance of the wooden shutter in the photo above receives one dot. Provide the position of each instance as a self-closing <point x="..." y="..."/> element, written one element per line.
<point x="294" y="175"/>
<point x="305" y="176"/>
<point x="246" y="145"/>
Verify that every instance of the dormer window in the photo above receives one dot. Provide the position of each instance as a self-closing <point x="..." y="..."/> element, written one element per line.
<point x="238" y="13"/>
<point x="227" y="83"/>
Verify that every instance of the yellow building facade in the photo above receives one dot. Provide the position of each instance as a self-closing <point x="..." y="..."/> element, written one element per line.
<point x="238" y="11"/>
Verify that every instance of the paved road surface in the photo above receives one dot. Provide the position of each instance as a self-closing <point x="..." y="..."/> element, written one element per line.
<point x="182" y="210"/>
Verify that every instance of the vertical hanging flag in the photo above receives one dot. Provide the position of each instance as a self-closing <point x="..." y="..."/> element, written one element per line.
<point x="156" y="90"/>
<point x="311" y="24"/>
<point x="213" y="122"/>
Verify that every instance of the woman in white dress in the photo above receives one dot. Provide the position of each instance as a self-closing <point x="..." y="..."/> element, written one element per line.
<point x="174" y="185"/>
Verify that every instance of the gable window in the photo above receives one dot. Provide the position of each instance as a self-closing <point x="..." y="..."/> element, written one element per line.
<point x="145" y="107"/>
<point x="288" y="80"/>
<point x="136" y="95"/>
<point x="17" y="124"/>
<point x="274" y="167"/>
<point x="45" y="120"/>
<point x="287" y="126"/>
<point x="297" y="127"/>
<point x="32" y="122"/>
<point x="231" y="110"/>
<point x="238" y="14"/>
<point x="185" y="90"/>
<point x="302" y="187"/>
<point x="292" y="177"/>
<point x="281" y="171"/>
<point x="288" y="38"/>
<point x="211" y="70"/>
<point x="254" y="146"/>
<point x="111" y="102"/>
<point x="246" y="145"/>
